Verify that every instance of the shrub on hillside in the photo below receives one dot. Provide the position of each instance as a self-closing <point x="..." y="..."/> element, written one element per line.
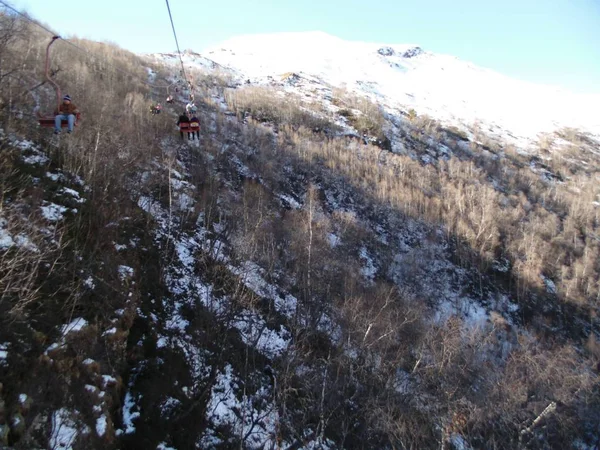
<point x="364" y="115"/>
<point x="268" y="105"/>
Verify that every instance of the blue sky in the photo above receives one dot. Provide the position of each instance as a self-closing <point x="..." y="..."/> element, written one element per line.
<point x="551" y="42"/>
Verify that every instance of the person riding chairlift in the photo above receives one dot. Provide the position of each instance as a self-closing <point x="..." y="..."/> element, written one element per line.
<point x="191" y="108"/>
<point x="156" y="109"/>
<point x="195" y="127"/>
<point x="183" y="118"/>
<point x="66" y="111"/>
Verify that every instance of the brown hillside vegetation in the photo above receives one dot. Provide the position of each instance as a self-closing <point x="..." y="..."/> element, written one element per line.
<point x="320" y="289"/>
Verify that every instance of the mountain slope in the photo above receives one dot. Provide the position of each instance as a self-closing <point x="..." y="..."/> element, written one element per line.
<point x="405" y="76"/>
<point x="286" y="281"/>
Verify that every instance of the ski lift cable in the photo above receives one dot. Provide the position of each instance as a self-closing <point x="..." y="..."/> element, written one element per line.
<point x="177" y="44"/>
<point x="77" y="47"/>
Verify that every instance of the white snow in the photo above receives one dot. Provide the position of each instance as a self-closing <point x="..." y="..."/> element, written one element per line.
<point x="550" y="286"/>
<point x="254" y="332"/>
<point x="110" y="331"/>
<point x="24" y="242"/>
<point x="290" y="201"/>
<point x="474" y="315"/>
<point x="163" y="446"/>
<point x="73" y="193"/>
<point x="6" y="240"/>
<point x="89" y="282"/>
<point x="185" y="202"/>
<point x="55" y="176"/>
<point x="150" y="206"/>
<point x="252" y="277"/>
<point x="75" y="326"/>
<point x="459" y="442"/>
<point x="176" y="322"/>
<point x="368" y="270"/>
<point x="20" y="240"/>
<point x="53" y="212"/>
<point x="440" y="85"/>
<point x="333" y="240"/>
<point x="101" y="425"/>
<point x="35" y="159"/>
<point x="226" y="409"/>
<point x="108" y="380"/>
<point x="125" y="272"/>
<point x="3" y="353"/>
<point x="64" y="430"/>
<point x="128" y="415"/>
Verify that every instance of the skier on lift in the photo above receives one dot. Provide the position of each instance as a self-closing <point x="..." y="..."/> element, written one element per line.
<point x="156" y="109"/>
<point x="183" y="119"/>
<point x="191" y="108"/>
<point x="195" y="127"/>
<point x="66" y="111"/>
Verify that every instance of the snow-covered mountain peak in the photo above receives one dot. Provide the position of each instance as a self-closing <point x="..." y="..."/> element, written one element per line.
<point x="403" y="77"/>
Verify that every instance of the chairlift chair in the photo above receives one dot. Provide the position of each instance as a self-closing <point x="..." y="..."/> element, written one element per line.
<point x="48" y="121"/>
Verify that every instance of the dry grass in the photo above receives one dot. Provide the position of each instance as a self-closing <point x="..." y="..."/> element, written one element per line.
<point x="267" y="105"/>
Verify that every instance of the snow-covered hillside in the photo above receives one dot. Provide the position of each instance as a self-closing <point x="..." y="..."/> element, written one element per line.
<point x="310" y="272"/>
<point x="401" y="77"/>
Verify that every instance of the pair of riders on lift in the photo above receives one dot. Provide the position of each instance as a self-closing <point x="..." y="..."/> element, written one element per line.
<point x="193" y="126"/>
<point x="156" y="109"/>
<point x="67" y="111"/>
<point x="191" y="108"/>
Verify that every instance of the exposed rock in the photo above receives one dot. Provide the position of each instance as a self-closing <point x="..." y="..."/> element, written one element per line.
<point x="386" y="51"/>
<point x="413" y="52"/>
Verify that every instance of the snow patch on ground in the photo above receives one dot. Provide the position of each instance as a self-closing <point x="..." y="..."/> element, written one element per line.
<point x="6" y="240"/>
<point x="241" y="414"/>
<point x="108" y="380"/>
<point x="459" y="442"/>
<point x="333" y="240"/>
<point x="89" y="282"/>
<point x="129" y="415"/>
<point x="75" y="326"/>
<point x="35" y="159"/>
<point x="55" y="176"/>
<point x="290" y="201"/>
<point x="64" y="430"/>
<point x="251" y="275"/>
<point x="369" y="270"/>
<point x="101" y="425"/>
<point x="23" y="241"/>
<point x="474" y="315"/>
<point x="3" y="353"/>
<point x="550" y="286"/>
<point x="73" y="193"/>
<point x="255" y="333"/>
<point x="163" y="446"/>
<point x="125" y="272"/>
<point x="149" y="205"/>
<point x="53" y="212"/>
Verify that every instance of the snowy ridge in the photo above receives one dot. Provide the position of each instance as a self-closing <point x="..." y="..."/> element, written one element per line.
<point x="401" y="77"/>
